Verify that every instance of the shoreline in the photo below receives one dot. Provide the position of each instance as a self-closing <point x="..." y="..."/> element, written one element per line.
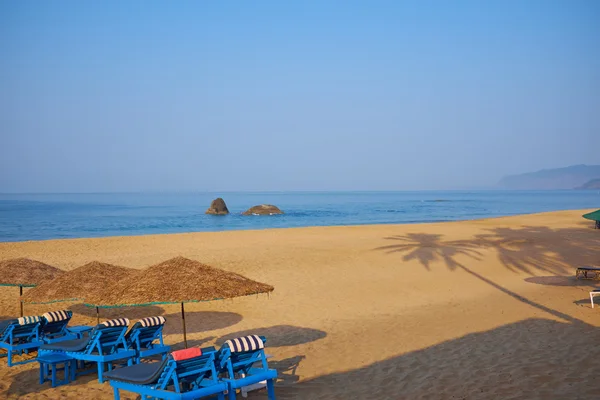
<point x="583" y="211"/>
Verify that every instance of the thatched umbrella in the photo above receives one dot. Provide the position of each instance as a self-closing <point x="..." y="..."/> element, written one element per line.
<point x="90" y="279"/>
<point x="178" y="280"/>
<point x="23" y="272"/>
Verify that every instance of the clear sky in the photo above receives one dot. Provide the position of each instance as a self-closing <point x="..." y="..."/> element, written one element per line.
<point x="304" y="95"/>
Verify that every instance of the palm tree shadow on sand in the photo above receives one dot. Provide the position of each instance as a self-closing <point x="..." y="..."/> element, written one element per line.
<point x="530" y="359"/>
<point x="527" y="249"/>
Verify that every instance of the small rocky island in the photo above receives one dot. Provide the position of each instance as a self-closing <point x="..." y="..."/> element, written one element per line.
<point x="263" y="209"/>
<point x="218" y="207"/>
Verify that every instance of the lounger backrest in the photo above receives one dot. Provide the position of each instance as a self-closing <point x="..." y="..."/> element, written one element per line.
<point x="189" y="370"/>
<point x="239" y="355"/>
<point x="145" y="331"/>
<point x="24" y="328"/>
<point x="55" y="321"/>
<point x="5" y="326"/>
<point x="108" y="336"/>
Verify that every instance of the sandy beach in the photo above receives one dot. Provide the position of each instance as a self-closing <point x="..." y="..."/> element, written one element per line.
<point x="459" y="310"/>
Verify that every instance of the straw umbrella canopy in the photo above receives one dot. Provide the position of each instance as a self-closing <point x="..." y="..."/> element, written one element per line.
<point x="178" y="280"/>
<point x="23" y="272"/>
<point x="593" y="216"/>
<point x="79" y="283"/>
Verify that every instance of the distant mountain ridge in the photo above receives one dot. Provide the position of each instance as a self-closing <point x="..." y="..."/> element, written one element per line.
<point x="590" y="185"/>
<point x="571" y="177"/>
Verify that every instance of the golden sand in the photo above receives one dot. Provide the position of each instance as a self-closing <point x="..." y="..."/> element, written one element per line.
<point x="465" y="310"/>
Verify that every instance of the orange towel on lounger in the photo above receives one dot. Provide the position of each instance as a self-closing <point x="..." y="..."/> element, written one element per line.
<point x="186" y="353"/>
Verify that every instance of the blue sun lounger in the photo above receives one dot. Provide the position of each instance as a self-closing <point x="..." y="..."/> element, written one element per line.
<point x="18" y="336"/>
<point x="105" y="345"/>
<point x="54" y="326"/>
<point x="236" y="360"/>
<point x="146" y="338"/>
<point x="184" y="374"/>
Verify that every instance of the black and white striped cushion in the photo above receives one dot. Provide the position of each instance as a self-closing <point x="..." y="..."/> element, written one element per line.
<point x="246" y="343"/>
<point x="54" y="316"/>
<point x="116" y="322"/>
<point x="28" y="320"/>
<point x="152" y="321"/>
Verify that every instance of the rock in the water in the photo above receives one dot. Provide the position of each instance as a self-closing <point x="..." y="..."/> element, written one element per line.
<point x="263" y="209"/>
<point x="218" y="207"/>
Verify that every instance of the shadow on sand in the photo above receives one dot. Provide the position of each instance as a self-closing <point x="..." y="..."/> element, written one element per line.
<point x="528" y="249"/>
<point x="571" y="281"/>
<point x="28" y="381"/>
<point x="286" y="370"/>
<point x="534" y="358"/>
<point x="193" y="343"/>
<point x="279" y="335"/>
<point x="201" y="321"/>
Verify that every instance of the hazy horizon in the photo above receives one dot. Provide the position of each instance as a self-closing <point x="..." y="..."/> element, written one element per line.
<point x="122" y="97"/>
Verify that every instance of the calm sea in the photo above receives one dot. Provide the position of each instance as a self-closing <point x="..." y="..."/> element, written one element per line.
<point x="53" y="216"/>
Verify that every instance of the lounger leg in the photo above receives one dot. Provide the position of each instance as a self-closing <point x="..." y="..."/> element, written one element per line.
<point x="271" y="389"/>
<point x="41" y="373"/>
<point x="116" y="393"/>
<point x="100" y="370"/>
<point x="592" y="299"/>
<point x="10" y="358"/>
<point x="231" y="393"/>
<point x="67" y="372"/>
<point x="53" y="375"/>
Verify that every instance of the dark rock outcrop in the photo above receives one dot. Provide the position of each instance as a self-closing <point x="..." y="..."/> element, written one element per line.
<point x="218" y="207"/>
<point x="263" y="209"/>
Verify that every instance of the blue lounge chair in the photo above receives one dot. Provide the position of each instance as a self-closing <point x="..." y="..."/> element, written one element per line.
<point x="18" y="336"/>
<point x="146" y="338"/>
<point x="184" y="374"/>
<point x="54" y="326"/>
<point x="236" y="360"/>
<point x="105" y="345"/>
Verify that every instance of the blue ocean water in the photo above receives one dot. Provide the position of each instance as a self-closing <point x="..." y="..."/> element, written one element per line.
<point x="54" y="216"/>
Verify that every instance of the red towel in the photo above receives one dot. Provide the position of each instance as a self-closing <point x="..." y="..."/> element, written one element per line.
<point x="186" y="354"/>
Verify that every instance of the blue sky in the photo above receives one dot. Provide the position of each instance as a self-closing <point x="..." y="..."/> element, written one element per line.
<point x="277" y="95"/>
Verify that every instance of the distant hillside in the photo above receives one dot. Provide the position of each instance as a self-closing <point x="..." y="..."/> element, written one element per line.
<point x="548" y="179"/>
<point x="590" y="185"/>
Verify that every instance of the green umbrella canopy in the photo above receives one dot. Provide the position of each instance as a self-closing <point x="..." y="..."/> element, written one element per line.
<point x="178" y="280"/>
<point x="594" y="216"/>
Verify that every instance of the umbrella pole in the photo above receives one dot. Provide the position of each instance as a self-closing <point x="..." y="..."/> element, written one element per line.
<point x="97" y="316"/>
<point x="20" y="298"/>
<point x="183" y="321"/>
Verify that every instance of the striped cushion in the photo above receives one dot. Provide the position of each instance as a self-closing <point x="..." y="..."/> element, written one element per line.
<point x="152" y="321"/>
<point x="246" y="343"/>
<point x="28" y="320"/>
<point x="54" y="316"/>
<point x="116" y="322"/>
<point x="186" y="353"/>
